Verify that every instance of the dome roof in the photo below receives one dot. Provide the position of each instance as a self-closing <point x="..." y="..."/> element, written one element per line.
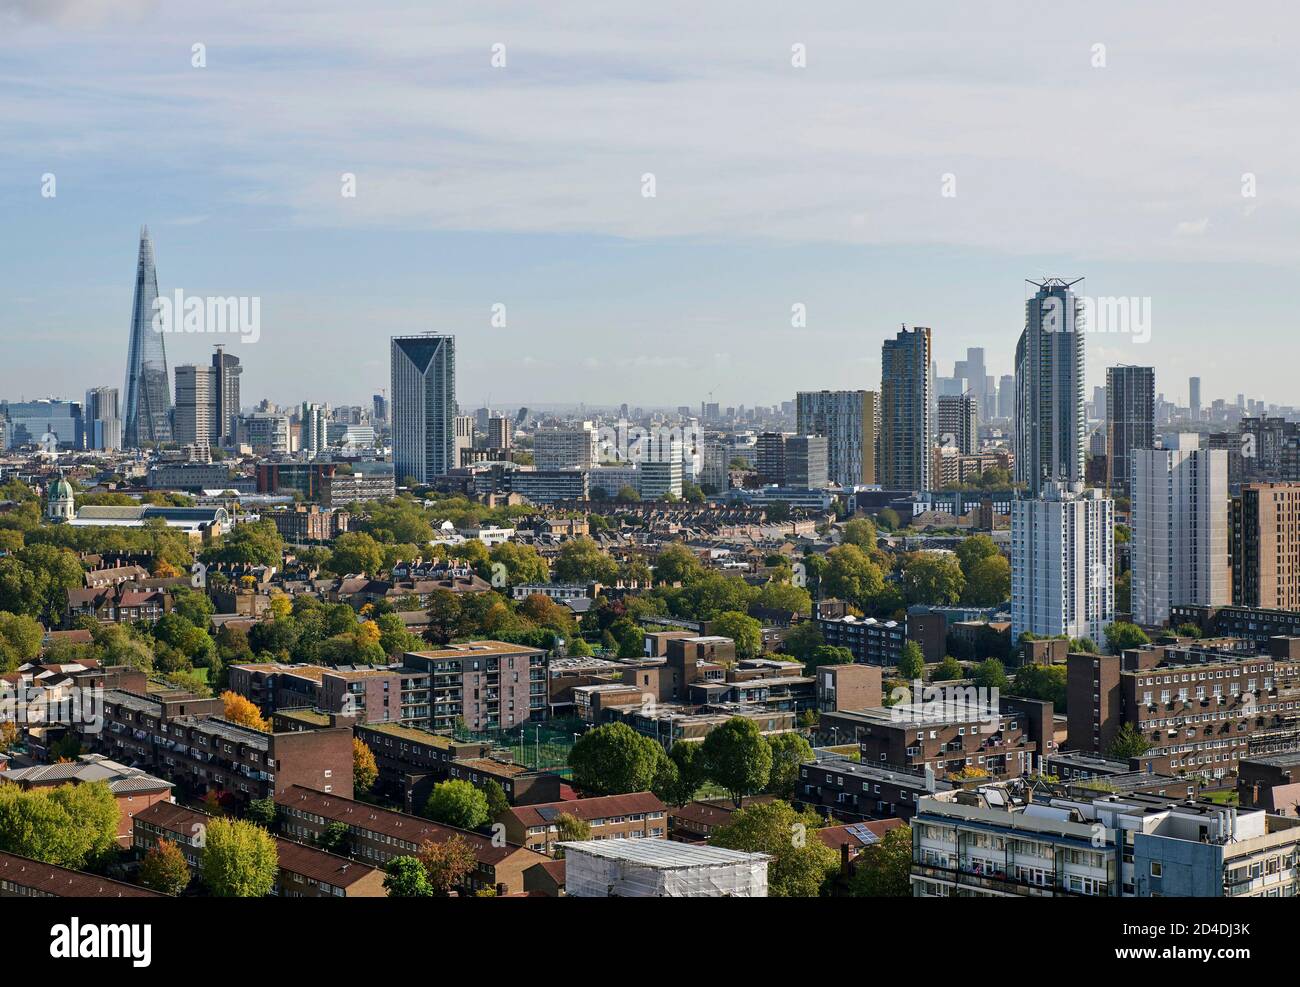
<point x="60" y="489"/>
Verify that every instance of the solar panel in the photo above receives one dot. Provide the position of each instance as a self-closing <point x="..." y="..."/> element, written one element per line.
<point x="548" y="813"/>
<point x="866" y="836"/>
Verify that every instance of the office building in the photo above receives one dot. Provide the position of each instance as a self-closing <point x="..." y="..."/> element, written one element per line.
<point x="49" y="422"/>
<point x="424" y="406"/>
<point x="850" y="420"/>
<point x="565" y="448"/>
<point x="1130" y="421"/>
<point x="1179" y="522"/>
<point x="770" y="452"/>
<point x="807" y="462"/>
<point x="906" y="426"/>
<point x="1050" y="426"/>
<point x="102" y="419"/>
<point x="500" y="432"/>
<point x="225" y="415"/>
<point x="148" y="413"/>
<point x="313" y="435"/>
<point x="1194" y="398"/>
<point x="1062" y="563"/>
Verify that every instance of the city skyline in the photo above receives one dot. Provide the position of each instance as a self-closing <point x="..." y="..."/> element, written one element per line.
<point x="501" y="211"/>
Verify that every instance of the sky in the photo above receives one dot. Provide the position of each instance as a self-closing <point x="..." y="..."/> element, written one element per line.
<point x="867" y="164"/>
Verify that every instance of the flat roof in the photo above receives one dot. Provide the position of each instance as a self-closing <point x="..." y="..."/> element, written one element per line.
<point x="662" y="854"/>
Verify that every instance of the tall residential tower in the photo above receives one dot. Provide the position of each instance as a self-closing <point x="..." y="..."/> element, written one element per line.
<point x="423" y="398"/>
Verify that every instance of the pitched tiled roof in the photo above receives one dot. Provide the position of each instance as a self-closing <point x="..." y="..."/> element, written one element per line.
<point x="398" y="825"/>
<point x="838" y="836"/>
<point x="601" y="807"/>
<point x="298" y="858"/>
<point x="64" y="883"/>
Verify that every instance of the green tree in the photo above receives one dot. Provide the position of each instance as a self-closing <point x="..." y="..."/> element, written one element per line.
<point x="911" y="663"/>
<point x="570" y="829"/>
<point x="827" y="654"/>
<point x="988" y="583"/>
<point x="356" y="552"/>
<point x="582" y="560"/>
<point x="405" y="877"/>
<point x="852" y="576"/>
<point x="973" y="549"/>
<point x="690" y="774"/>
<point x="1043" y="682"/>
<point x="860" y="532"/>
<point x="239" y="859"/>
<point x="948" y="670"/>
<point x="883" y="870"/>
<point x="250" y="543"/>
<point x="498" y="804"/>
<point x="931" y="577"/>
<point x="164" y="869"/>
<point x="789" y="751"/>
<point x="991" y="674"/>
<point x="69" y="826"/>
<point x="737" y="757"/>
<point x="801" y="863"/>
<point x="262" y="812"/>
<point x="614" y="759"/>
<point x="802" y="640"/>
<point x="677" y="564"/>
<point x="744" y="630"/>
<point x="785" y="596"/>
<point x="1127" y="743"/>
<point x="1121" y="634"/>
<point x="457" y="803"/>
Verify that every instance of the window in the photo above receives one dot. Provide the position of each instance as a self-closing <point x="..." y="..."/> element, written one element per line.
<point x="1157" y="869"/>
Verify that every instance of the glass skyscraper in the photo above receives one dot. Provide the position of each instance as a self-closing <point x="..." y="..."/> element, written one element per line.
<point x="148" y="411"/>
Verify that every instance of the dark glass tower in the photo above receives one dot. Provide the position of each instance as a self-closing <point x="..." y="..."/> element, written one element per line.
<point x="148" y="413"/>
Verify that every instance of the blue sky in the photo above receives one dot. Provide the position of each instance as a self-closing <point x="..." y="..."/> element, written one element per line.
<point x="522" y="185"/>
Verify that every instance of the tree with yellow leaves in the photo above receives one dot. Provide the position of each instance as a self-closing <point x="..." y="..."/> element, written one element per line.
<point x="364" y="769"/>
<point x="242" y="711"/>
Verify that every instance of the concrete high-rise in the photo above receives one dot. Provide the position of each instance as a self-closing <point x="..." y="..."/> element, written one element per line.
<point x="959" y="423"/>
<point x="1050" y="427"/>
<point x="423" y="395"/>
<point x="313" y="436"/>
<point x="565" y="448"/>
<point x="102" y="418"/>
<point x="1130" y="421"/>
<point x="906" y="402"/>
<point x="1194" y="398"/>
<point x="500" y="434"/>
<point x="196" y="403"/>
<point x="225" y="413"/>
<point x="148" y="412"/>
<point x="1179" y="521"/>
<point x="1062" y="563"/>
<point x="806" y="464"/>
<point x="850" y="420"/>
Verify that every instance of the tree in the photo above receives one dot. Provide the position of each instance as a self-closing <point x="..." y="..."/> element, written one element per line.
<point x="614" y="759"/>
<point x="974" y="549"/>
<point x="68" y="826"/>
<point x="498" y="804"/>
<point x="445" y="616"/>
<point x="883" y="870"/>
<point x="827" y="654"/>
<point x="1127" y="743"/>
<point x="785" y="596"/>
<point x="689" y="777"/>
<point x="802" y="640"/>
<point x="789" y="751"/>
<point x="801" y="863"/>
<point x="364" y="769"/>
<point x="627" y="495"/>
<point x="851" y="575"/>
<point x="239" y="859"/>
<point x="251" y="543"/>
<point x="262" y="812"/>
<point x="931" y="577"/>
<point x="578" y="648"/>
<point x="988" y="582"/>
<point x="948" y="670"/>
<point x="737" y="757"/>
<point x="677" y="564"/>
<point x="570" y="829"/>
<point x="1043" y="682"/>
<point x="356" y="552"/>
<point x="242" y="711"/>
<point x="582" y="561"/>
<point x="449" y="864"/>
<point x="523" y="563"/>
<point x="991" y="674"/>
<point x="911" y="663"/>
<point x="1121" y="634"/>
<point x="164" y="868"/>
<point x="860" y="532"/>
<point x="334" y="838"/>
<point x="405" y="877"/>
<point x="744" y="630"/>
<point x="457" y="803"/>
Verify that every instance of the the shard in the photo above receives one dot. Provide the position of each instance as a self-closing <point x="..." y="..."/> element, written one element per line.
<point x="148" y="412"/>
